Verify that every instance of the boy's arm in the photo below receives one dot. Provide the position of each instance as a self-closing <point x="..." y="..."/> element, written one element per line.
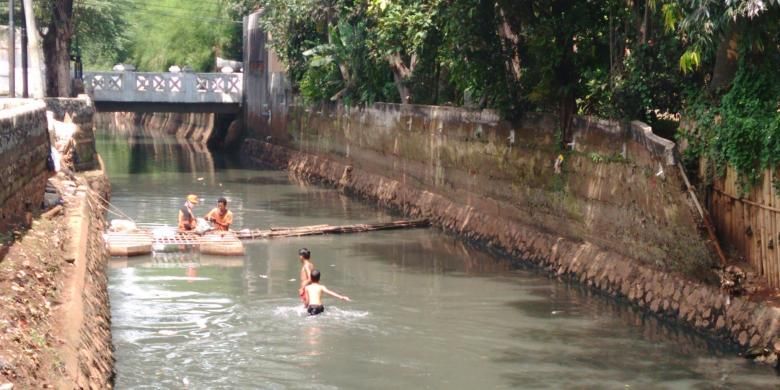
<point x="344" y="297"/>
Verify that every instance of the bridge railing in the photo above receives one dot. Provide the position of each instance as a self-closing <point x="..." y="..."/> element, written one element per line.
<point x="164" y="87"/>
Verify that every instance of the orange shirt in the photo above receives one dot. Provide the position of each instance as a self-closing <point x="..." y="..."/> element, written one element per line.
<point x="223" y="222"/>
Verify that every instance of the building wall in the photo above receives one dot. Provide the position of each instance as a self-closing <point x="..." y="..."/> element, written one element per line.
<point x="255" y="74"/>
<point x="35" y="88"/>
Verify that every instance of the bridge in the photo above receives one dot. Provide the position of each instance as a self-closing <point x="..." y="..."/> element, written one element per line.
<point x="165" y="92"/>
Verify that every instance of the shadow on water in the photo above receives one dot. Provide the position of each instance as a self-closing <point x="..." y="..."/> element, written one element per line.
<point x="149" y="151"/>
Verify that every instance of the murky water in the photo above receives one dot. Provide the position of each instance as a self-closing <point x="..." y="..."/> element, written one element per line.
<point x="427" y="311"/>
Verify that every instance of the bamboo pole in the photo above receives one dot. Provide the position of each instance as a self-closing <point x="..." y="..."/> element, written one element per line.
<point x="328" y="229"/>
<point x="705" y="218"/>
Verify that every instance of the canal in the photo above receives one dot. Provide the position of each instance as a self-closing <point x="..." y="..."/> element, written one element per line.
<point x="428" y="311"/>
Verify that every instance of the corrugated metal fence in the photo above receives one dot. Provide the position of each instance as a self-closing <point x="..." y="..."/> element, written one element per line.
<point x="750" y="223"/>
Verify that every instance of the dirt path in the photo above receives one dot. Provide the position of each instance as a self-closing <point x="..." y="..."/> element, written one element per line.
<point x="54" y="320"/>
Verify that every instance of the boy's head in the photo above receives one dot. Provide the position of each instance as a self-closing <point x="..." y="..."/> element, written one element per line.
<point x="304" y="253"/>
<point x="222" y="204"/>
<point x="315" y="276"/>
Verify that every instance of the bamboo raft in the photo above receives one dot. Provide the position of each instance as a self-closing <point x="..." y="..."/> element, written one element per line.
<point x="328" y="229"/>
<point x="142" y="241"/>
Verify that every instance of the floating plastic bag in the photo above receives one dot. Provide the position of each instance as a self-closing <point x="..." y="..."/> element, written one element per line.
<point x="122" y="225"/>
<point x="203" y="226"/>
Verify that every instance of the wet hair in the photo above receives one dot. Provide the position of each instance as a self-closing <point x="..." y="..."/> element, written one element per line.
<point x="305" y="253"/>
<point x="223" y="201"/>
<point x="315" y="275"/>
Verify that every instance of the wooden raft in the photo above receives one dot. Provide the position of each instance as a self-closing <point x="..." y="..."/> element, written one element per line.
<point x="255" y="234"/>
<point x="142" y="241"/>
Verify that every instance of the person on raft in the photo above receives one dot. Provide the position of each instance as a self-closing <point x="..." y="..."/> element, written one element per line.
<point x="313" y="295"/>
<point x="187" y="220"/>
<point x="220" y="216"/>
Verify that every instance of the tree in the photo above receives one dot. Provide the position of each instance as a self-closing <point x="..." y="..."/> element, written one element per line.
<point x="100" y="33"/>
<point x="56" y="44"/>
<point x="400" y="34"/>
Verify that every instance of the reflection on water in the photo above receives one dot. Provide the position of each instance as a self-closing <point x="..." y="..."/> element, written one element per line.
<point x="428" y="311"/>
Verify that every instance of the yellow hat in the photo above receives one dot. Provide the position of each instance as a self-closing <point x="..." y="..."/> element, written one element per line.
<point x="192" y="199"/>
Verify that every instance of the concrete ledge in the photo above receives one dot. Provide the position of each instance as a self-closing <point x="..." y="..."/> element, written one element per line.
<point x="642" y="133"/>
<point x="85" y="316"/>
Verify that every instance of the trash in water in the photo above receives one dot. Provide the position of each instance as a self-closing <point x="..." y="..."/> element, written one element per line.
<point x="263" y="276"/>
<point x="333" y="265"/>
<point x="554" y="312"/>
<point x="200" y="178"/>
<point x="291" y="280"/>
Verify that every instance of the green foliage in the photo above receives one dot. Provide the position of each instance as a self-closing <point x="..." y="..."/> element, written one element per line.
<point x="649" y="82"/>
<point x="596" y="157"/>
<point x="294" y="26"/>
<point x="742" y="129"/>
<point x="611" y="58"/>
<point x="100" y="33"/>
<point x="472" y="57"/>
<point x="182" y="33"/>
<point x="320" y="83"/>
<point x="154" y="36"/>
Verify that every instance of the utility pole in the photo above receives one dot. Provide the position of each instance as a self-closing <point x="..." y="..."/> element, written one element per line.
<point x="11" y="51"/>
<point x="25" y="81"/>
<point x="36" y="82"/>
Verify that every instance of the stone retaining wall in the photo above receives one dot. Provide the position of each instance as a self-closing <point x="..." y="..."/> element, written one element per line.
<point x="86" y="317"/>
<point x="616" y="189"/>
<point x="71" y="122"/>
<point x="24" y="150"/>
<point x="753" y="326"/>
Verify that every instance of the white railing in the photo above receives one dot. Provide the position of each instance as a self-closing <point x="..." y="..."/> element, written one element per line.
<point x="138" y="87"/>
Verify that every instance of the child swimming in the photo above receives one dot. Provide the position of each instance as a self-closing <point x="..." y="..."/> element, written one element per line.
<point x="313" y="296"/>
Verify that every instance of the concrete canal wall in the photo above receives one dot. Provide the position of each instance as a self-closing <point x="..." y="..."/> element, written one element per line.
<point x="24" y="149"/>
<point x="54" y="311"/>
<point x="195" y="127"/>
<point x="616" y="217"/>
<point x="216" y="130"/>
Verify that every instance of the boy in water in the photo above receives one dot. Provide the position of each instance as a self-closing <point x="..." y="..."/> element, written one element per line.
<point x="314" y="292"/>
<point x="306" y="268"/>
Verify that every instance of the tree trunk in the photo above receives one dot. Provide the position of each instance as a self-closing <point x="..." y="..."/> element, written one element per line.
<point x="511" y="47"/>
<point x="725" y="62"/>
<point x="401" y="74"/>
<point x="567" y="77"/>
<point x="55" y="49"/>
<point x="644" y="27"/>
